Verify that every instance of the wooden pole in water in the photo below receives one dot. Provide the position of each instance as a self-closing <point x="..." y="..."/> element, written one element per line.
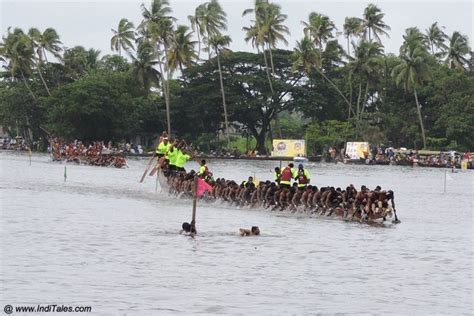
<point x="193" y="221"/>
<point x="445" y="174"/>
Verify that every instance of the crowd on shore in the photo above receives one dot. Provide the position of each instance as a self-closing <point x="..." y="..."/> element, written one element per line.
<point x="382" y="155"/>
<point x="291" y="189"/>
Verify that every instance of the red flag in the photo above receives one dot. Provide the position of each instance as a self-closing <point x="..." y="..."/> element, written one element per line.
<point x="202" y="187"/>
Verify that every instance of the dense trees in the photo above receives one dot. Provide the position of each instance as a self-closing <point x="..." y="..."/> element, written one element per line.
<point x="421" y="98"/>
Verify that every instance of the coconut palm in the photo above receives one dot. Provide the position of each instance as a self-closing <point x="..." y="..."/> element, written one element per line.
<point x="273" y="30"/>
<point x="309" y="58"/>
<point x="212" y="20"/>
<point x="319" y="28"/>
<point x="123" y="37"/>
<point x="373" y="23"/>
<point x="457" y="50"/>
<point x="35" y="35"/>
<point x="219" y="43"/>
<point x="182" y="50"/>
<point x="157" y="27"/>
<point x="144" y="64"/>
<point x="436" y="38"/>
<point x="367" y="65"/>
<point x="412" y="71"/>
<point x="18" y="51"/>
<point x="195" y="21"/>
<point x="352" y="27"/>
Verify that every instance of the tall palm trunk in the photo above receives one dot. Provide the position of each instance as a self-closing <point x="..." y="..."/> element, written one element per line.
<point x="42" y="79"/>
<point x="418" y="110"/>
<point x="350" y="96"/>
<point x="223" y="98"/>
<point x="27" y="85"/>
<point x="335" y="87"/>
<point x="277" y="121"/>
<point x="358" y="109"/>
<point x="167" y="89"/>
<point x="165" y="94"/>
<point x="199" y="43"/>
<point x="271" y="60"/>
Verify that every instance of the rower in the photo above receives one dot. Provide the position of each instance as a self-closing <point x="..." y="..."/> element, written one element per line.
<point x="277" y="176"/>
<point x="203" y="170"/>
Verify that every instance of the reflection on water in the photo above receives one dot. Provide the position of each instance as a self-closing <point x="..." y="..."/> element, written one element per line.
<point x="103" y="239"/>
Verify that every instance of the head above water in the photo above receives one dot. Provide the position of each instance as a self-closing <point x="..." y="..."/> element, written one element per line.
<point x="255" y="230"/>
<point x="186" y="227"/>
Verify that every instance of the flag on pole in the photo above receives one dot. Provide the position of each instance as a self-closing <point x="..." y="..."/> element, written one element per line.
<point x="202" y="187"/>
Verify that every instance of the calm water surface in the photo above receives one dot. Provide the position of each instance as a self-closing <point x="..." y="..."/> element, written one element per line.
<point x="104" y="240"/>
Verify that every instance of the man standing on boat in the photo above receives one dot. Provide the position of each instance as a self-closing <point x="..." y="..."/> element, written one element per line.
<point x="163" y="148"/>
<point x="181" y="158"/>
<point x="287" y="174"/>
<point x="302" y="177"/>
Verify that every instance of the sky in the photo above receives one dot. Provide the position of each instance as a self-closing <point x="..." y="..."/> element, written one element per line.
<point x="89" y="23"/>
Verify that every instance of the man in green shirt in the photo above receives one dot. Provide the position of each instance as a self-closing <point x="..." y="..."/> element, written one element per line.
<point x="163" y="148"/>
<point x="181" y="158"/>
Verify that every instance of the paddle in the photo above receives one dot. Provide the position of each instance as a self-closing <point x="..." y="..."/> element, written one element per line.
<point x="147" y="167"/>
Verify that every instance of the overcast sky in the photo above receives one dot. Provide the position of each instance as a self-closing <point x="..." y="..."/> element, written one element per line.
<point x="89" y="23"/>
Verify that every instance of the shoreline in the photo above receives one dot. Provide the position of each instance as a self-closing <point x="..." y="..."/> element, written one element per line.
<point x="310" y="159"/>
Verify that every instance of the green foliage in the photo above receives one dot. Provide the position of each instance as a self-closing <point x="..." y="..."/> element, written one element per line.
<point x="100" y="106"/>
<point x="320" y="136"/>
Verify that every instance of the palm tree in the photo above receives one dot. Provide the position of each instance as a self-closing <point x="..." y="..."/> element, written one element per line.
<point x="35" y="35"/>
<point x="18" y="50"/>
<point x="319" y="28"/>
<point x="308" y="58"/>
<point x="144" y="66"/>
<point x="123" y="37"/>
<point x="255" y="34"/>
<point x="49" y="41"/>
<point x="352" y="27"/>
<point x="273" y="30"/>
<point x="373" y="23"/>
<point x="195" y="21"/>
<point x="436" y="38"/>
<point x="457" y="50"/>
<point x="182" y="50"/>
<point x="412" y="70"/>
<point x="157" y="25"/>
<point x="218" y="43"/>
<point x="212" y="20"/>
<point x="367" y="65"/>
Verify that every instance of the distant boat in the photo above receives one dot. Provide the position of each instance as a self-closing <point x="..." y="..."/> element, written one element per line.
<point x="300" y="159"/>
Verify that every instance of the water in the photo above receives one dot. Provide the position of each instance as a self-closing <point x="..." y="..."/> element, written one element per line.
<point x="102" y="239"/>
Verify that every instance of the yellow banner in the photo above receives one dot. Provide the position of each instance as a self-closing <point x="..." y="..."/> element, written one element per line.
<point x="289" y="148"/>
<point x="357" y="150"/>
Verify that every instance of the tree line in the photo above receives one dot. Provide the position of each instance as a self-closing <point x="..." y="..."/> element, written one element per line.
<point x="186" y="80"/>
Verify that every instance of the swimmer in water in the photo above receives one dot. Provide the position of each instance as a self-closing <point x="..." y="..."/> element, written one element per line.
<point x="254" y="231"/>
<point x="188" y="229"/>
